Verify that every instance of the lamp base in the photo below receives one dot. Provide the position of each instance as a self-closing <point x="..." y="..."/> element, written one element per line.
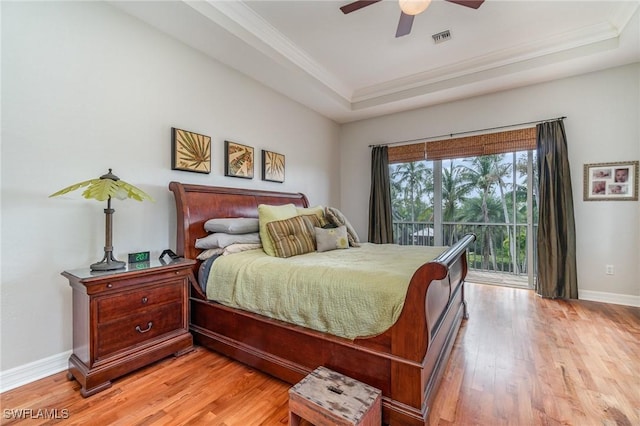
<point x="108" y="263"/>
<point x="108" y="266"/>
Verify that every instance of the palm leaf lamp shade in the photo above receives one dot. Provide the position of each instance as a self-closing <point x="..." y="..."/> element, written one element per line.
<point x="101" y="189"/>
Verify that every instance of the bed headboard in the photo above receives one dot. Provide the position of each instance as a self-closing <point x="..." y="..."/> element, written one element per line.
<point x="195" y="204"/>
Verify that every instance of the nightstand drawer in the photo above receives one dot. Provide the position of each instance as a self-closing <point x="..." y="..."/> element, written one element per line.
<point x="139" y="328"/>
<point x="124" y="304"/>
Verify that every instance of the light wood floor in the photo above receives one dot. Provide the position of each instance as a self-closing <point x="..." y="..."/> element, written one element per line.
<point x="518" y="360"/>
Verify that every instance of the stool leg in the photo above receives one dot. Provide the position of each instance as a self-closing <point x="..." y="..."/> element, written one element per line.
<point x="294" y="419"/>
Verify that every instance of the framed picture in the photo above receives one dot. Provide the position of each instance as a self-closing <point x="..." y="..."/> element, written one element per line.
<point x="272" y="166"/>
<point x="238" y="160"/>
<point x="611" y="181"/>
<point x="190" y="151"/>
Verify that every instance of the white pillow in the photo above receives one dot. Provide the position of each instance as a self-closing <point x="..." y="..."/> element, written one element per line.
<point x="235" y="225"/>
<point x="222" y="240"/>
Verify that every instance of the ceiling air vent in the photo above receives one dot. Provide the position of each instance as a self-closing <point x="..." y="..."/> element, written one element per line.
<point x="441" y="37"/>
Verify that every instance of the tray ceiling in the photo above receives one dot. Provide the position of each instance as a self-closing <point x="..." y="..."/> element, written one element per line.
<point x="351" y="67"/>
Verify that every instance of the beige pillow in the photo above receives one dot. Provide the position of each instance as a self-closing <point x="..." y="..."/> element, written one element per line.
<point x="336" y="217"/>
<point x="292" y="237"/>
<point x="315" y="220"/>
<point x="238" y="248"/>
<point x="317" y="210"/>
<point x="210" y="253"/>
<point x="233" y="248"/>
<point x="268" y="213"/>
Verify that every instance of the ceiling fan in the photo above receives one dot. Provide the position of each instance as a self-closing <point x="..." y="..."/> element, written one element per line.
<point x="409" y="9"/>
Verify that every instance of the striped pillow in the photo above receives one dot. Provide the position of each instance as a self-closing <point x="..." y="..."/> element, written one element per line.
<point x="292" y="237"/>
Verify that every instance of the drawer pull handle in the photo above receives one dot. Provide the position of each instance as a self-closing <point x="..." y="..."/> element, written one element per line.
<point x="149" y="325"/>
<point x="109" y="285"/>
<point x="144" y="300"/>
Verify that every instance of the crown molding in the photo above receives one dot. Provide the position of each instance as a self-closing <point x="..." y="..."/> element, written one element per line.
<point x="239" y="19"/>
<point x="234" y="34"/>
<point x="258" y="33"/>
<point x="570" y="43"/>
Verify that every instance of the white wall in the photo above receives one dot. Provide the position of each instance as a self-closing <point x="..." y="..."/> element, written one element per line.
<point x="86" y="88"/>
<point x="602" y="125"/>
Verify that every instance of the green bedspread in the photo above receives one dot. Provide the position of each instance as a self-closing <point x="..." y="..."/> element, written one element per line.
<point x="357" y="292"/>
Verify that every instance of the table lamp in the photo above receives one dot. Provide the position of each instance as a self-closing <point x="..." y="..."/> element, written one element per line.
<point x="105" y="188"/>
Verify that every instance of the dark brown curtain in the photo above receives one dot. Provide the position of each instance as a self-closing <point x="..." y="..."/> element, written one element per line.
<point x="557" y="274"/>
<point x="380" y="230"/>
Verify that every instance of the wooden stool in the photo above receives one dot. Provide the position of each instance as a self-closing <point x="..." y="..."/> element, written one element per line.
<point x="325" y="398"/>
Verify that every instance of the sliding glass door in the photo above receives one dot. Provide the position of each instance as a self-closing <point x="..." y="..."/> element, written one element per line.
<point x="436" y="202"/>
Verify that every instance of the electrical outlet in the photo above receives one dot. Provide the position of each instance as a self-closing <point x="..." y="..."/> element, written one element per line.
<point x="608" y="269"/>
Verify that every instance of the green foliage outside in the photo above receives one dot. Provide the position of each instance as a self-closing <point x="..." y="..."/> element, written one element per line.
<point x="475" y="191"/>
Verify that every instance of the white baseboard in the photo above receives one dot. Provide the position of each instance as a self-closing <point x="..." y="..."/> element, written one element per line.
<point x="33" y="371"/>
<point x="616" y="298"/>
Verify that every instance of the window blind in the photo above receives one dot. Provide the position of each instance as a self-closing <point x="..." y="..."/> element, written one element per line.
<point x="468" y="146"/>
<point x="406" y="153"/>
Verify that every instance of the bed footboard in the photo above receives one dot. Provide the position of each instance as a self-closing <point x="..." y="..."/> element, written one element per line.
<point x="427" y="327"/>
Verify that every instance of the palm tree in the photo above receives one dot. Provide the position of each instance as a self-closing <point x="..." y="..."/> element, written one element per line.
<point x="397" y="205"/>
<point x="416" y="182"/>
<point x="502" y="170"/>
<point x="454" y="193"/>
<point x="484" y="173"/>
<point x="483" y="210"/>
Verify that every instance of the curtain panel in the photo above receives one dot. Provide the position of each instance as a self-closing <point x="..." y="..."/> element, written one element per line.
<point x="380" y="220"/>
<point x="557" y="272"/>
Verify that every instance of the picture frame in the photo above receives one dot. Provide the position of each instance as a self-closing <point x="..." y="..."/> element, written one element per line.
<point x="238" y="160"/>
<point x="190" y="151"/>
<point x="273" y="166"/>
<point x="617" y="181"/>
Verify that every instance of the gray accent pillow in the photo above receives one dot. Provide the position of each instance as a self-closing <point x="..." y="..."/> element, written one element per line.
<point x="332" y="238"/>
<point x="222" y="240"/>
<point x="233" y="225"/>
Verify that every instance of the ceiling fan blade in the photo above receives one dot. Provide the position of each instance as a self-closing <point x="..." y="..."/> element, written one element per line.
<point x="404" y="25"/>
<point x="356" y="5"/>
<point x="474" y="4"/>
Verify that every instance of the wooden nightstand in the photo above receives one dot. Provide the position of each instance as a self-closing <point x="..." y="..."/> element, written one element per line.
<point x="126" y="319"/>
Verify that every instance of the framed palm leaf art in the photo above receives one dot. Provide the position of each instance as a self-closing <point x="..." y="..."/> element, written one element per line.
<point x="190" y="151"/>
<point x="272" y="166"/>
<point x="238" y="160"/>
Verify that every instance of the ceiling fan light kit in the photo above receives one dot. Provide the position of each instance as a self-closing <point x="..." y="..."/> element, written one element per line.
<point x="414" y="7"/>
<point x="409" y="9"/>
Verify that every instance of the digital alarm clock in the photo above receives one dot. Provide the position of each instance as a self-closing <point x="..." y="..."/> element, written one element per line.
<point x="141" y="256"/>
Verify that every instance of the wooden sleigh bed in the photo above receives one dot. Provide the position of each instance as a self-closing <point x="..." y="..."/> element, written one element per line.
<point x="406" y="362"/>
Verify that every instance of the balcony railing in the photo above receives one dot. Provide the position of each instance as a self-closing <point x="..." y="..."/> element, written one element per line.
<point x="499" y="247"/>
